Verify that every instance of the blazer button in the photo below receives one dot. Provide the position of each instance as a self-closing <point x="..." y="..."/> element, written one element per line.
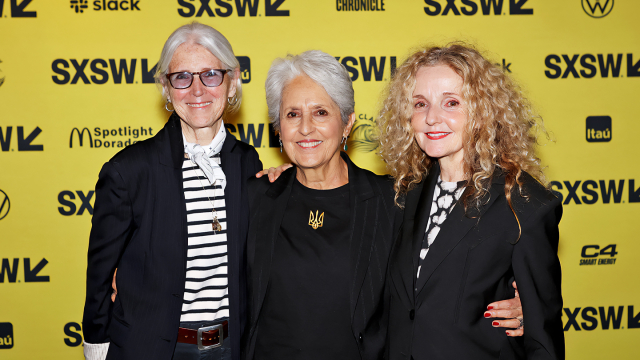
<point x="412" y="314"/>
<point x="360" y="337"/>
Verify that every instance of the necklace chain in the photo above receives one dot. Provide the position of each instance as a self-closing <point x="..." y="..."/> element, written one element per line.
<point x="215" y="224"/>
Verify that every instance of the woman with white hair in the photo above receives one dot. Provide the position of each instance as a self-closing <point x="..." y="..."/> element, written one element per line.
<point x="171" y="216"/>
<point x="321" y="234"/>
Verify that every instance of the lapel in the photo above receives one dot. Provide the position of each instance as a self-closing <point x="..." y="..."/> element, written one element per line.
<point x="170" y="150"/>
<point x="230" y="163"/>
<point x="417" y="207"/>
<point x="453" y="230"/>
<point x="363" y="205"/>
<point x="270" y="213"/>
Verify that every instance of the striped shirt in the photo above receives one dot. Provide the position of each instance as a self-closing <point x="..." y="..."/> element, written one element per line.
<point x="206" y="294"/>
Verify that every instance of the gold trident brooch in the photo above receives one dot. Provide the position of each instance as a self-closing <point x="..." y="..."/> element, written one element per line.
<point x="317" y="221"/>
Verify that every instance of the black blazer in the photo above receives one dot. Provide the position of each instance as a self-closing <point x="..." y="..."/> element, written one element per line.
<point x="471" y="263"/>
<point x="140" y="227"/>
<point x="374" y="221"/>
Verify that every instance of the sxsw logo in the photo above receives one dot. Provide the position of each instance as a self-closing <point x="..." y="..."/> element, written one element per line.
<point x="224" y="8"/>
<point x="74" y="332"/>
<point x="69" y="207"/>
<point x="24" y="143"/>
<point x="79" y="6"/>
<point x="18" y="9"/>
<point x="595" y="255"/>
<point x="5" y="205"/>
<point x="371" y="67"/>
<point x="596" y="9"/>
<point x="599" y="129"/>
<point x="588" y="66"/>
<point x="470" y="7"/>
<point x="10" y="268"/>
<point x="99" y="71"/>
<point x="6" y="335"/>
<point x="610" y="318"/>
<point x="608" y="191"/>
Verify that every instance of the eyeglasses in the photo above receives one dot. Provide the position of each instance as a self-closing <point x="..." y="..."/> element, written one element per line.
<point x="209" y="78"/>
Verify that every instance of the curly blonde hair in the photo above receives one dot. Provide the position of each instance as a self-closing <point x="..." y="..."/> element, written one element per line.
<point x="499" y="132"/>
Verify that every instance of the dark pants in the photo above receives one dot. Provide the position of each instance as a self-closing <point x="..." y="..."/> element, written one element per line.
<point x="191" y="352"/>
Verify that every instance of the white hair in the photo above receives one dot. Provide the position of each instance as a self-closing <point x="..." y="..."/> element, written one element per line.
<point x="212" y="40"/>
<point x="322" y="68"/>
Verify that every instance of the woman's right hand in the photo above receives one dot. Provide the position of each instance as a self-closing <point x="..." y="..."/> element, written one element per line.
<point x="113" y="285"/>
<point x="273" y="173"/>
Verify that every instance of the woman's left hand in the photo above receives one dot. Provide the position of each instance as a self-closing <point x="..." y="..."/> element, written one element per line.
<point x="511" y="311"/>
<point x="274" y="173"/>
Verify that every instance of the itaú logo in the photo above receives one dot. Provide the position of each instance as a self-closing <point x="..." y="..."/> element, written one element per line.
<point x="597" y="8"/>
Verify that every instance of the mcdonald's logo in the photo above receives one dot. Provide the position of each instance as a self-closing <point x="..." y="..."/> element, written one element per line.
<point x="80" y="136"/>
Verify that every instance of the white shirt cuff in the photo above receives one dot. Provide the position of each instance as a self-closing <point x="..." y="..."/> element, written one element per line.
<point x="95" y="351"/>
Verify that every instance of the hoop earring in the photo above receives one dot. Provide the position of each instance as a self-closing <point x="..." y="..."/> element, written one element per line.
<point x="235" y="100"/>
<point x="344" y="140"/>
<point x="280" y="140"/>
<point x="166" y="105"/>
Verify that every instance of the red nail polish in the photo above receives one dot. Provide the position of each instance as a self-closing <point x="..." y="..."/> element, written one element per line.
<point x="489" y="307"/>
<point x="487" y="314"/>
<point x="495" y="323"/>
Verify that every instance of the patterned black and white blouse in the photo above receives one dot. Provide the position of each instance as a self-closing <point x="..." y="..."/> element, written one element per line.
<point x="445" y="196"/>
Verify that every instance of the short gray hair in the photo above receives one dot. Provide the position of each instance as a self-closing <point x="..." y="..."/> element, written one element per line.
<point x="322" y="68"/>
<point x="212" y="40"/>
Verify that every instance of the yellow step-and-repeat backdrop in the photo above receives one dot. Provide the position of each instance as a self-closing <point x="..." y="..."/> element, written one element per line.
<point x="76" y="87"/>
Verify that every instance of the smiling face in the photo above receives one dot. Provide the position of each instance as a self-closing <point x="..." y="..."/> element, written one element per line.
<point x="439" y="114"/>
<point x="198" y="106"/>
<point x="311" y="128"/>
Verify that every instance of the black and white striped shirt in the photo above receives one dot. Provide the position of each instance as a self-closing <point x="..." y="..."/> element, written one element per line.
<point x="206" y="295"/>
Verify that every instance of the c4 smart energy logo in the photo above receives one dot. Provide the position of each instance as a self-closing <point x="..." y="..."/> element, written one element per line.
<point x="599" y="129"/>
<point x="5" y="204"/>
<point x="6" y="335"/>
<point x="18" y="9"/>
<point x="598" y="255"/>
<point x="472" y="7"/>
<point x="79" y="6"/>
<point x="597" y="8"/>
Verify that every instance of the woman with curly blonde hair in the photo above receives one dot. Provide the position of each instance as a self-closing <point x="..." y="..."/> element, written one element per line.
<point x="459" y="139"/>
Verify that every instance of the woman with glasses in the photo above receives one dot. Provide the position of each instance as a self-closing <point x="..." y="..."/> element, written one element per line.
<point x="171" y="216"/>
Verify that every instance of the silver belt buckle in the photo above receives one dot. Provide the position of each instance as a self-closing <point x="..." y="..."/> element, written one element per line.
<point x="209" y="328"/>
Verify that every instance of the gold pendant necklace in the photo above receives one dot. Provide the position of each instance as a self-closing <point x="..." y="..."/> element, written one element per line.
<point x="215" y="223"/>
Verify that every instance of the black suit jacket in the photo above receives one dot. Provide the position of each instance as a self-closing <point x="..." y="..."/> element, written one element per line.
<point x="140" y="227"/>
<point x="374" y="221"/>
<point x="471" y="263"/>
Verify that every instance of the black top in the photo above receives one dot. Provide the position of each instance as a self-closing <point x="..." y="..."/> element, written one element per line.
<point x="306" y="309"/>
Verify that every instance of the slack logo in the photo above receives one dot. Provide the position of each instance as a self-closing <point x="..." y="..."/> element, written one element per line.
<point x="599" y="129"/>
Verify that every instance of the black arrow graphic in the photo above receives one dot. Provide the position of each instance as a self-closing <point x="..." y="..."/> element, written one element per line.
<point x="634" y="194"/>
<point x="31" y="275"/>
<point x="515" y="8"/>
<point x="632" y="70"/>
<point x="17" y="10"/>
<point x="633" y="322"/>
<point x="272" y="9"/>
<point x="25" y="144"/>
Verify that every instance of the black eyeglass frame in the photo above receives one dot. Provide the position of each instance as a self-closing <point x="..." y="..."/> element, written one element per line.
<point x="193" y="74"/>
